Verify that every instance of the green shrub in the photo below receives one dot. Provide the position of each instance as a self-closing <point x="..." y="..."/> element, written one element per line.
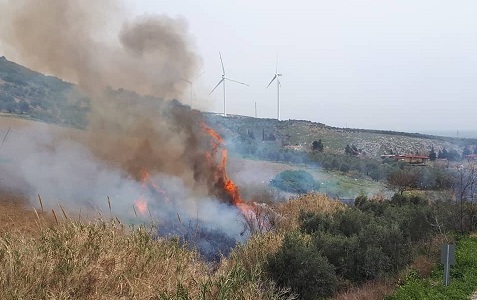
<point x="315" y="222"/>
<point x="299" y="266"/>
<point x="299" y="182"/>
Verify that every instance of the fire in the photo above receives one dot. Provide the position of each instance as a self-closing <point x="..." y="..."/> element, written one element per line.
<point x="141" y="204"/>
<point x="219" y="183"/>
<point x="226" y="189"/>
<point x="145" y="178"/>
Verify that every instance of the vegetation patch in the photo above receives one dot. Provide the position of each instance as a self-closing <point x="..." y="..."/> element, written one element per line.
<point x="297" y="182"/>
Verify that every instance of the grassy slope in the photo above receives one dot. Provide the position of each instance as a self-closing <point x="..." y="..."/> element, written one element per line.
<point x="463" y="277"/>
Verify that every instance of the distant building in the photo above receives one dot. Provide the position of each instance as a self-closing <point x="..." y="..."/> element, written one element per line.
<point x="410" y="159"/>
<point x="413" y="159"/>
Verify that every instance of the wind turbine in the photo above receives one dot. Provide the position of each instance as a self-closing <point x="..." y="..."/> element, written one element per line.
<point x="192" y="93"/>
<point x="223" y="83"/>
<point x="278" y="88"/>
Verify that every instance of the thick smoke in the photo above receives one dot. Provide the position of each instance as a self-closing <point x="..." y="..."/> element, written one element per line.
<point x="114" y="62"/>
<point x="75" y="41"/>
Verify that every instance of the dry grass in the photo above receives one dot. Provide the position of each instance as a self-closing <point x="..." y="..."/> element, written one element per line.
<point x="17" y="217"/>
<point x="423" y="265"/>
<point x="376" y="290"/>
<point x="95" y="261"/>
<point x="41" y="258"/>
<point x="290" y="210"/>
<point x="108" y="261"/>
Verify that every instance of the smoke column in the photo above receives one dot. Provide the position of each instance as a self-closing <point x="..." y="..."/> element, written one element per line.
<point x="149" y="55"/>
<point x="75" y="41"/>
<point x="91" y="43"/>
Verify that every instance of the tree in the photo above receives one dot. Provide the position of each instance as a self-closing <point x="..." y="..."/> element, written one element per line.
<point x="432" y="154"/>
<point x="465" y="184"/>
<point x="466" y="151"/>
<point x="351" y="150"/>
<point x="23" y="106"/>
<point x="251" y="134"/>
<point x="402" y="180"/>
<point x="317" y="146"/>
<point x="295" y="182"/>
<point x="299" y="266"/>
<point x="443" y="153"/>
<point x="453" y="155"/>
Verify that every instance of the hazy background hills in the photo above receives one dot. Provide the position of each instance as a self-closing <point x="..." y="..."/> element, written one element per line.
<point x="31" y="95"/>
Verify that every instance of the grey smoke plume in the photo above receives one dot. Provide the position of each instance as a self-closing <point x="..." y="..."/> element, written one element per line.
<point x="88" y="43"/>
<point x="76" y="41"/>
<point x="150" y="55"/>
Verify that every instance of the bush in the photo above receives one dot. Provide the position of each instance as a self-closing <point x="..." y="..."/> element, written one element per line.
<point x="299" y="266"/>
<point x="299" y="182"/>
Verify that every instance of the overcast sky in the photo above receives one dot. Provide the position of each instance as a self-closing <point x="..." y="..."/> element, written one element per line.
<point x="400" y="65"/>
<point x="407" y="65"/>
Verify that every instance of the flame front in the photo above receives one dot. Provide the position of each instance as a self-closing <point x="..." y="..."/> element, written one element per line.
<point x="141" y="203"/>
<point x="218" y="182"/>
<point x="225" y="188"/>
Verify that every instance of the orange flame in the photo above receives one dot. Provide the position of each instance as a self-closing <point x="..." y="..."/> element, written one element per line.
<point x="146" y="182"/>
<point x="141" y="204"/>
<point x="226" y="187"/>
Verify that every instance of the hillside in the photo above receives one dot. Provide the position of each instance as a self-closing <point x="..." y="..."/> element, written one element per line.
<point x="29" y="94"/>
<point x="251" y="135"/>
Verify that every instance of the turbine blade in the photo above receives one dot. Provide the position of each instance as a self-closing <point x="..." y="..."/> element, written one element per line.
<point x="272" y="80"/>
<point x="279" y="83"/>
<point x="276" y="67"/>
<point x="222" y="62"/>
<point x="236" y="81"/>
<point x="185" y="80"/>
<point x="216" y="86"/>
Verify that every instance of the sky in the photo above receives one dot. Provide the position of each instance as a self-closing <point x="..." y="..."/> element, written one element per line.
<point x="400" y="65"/>
<point x="394" y="65"/>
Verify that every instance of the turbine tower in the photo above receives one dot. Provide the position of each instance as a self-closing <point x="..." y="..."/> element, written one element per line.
<point x="224" y="78"/>
<point x="278" y="88"/>
<point x="192" y="93"/>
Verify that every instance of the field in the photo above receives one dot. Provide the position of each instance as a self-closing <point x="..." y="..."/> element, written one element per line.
<point x="256" y="175"/>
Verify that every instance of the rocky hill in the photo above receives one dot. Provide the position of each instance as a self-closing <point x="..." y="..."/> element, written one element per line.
<point x="299" y="135"/>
